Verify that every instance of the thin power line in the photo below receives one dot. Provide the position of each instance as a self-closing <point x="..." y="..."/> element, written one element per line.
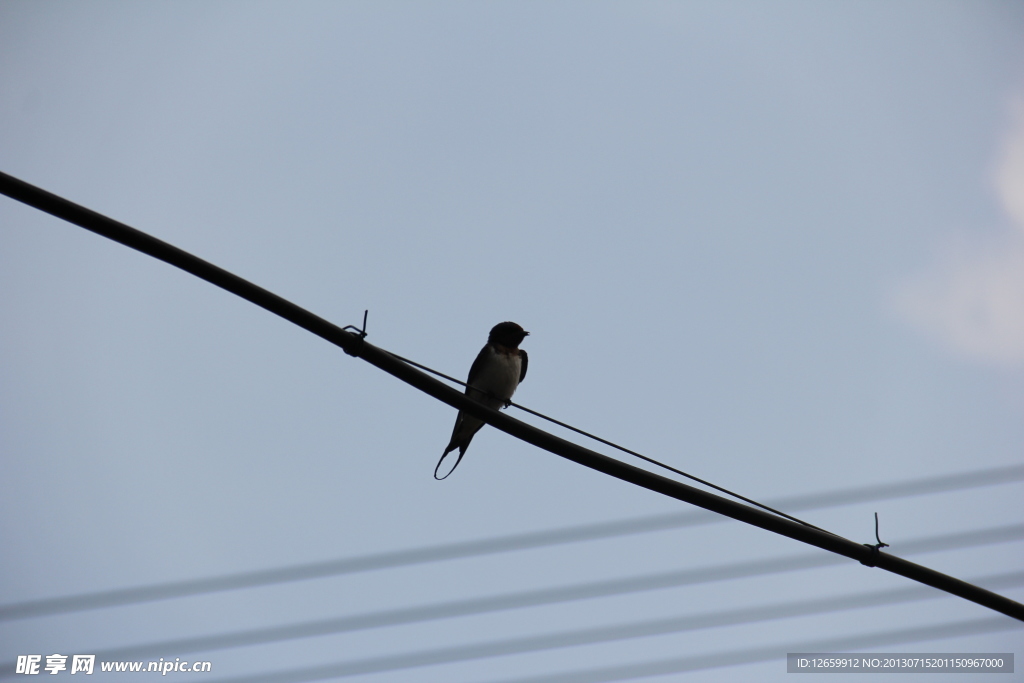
<point x="524" y="541"/>
<point x="355" y="345"/>
<point x="564" y="594"/>
<point x="550" y="641"/>
<point x="622" y="448"/>
<point x="776" y="653"/>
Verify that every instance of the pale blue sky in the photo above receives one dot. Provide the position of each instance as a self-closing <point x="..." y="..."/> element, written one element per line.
<point x="777" y="245"/>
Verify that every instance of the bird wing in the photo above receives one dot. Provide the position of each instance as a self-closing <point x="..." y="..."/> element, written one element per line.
<point x="478" y="366"/>
<point x="522" y="366"/>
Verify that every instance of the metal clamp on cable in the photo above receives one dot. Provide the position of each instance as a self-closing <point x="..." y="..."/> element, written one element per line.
<point x="361" y="334"/>
<point x="872" y="560"/>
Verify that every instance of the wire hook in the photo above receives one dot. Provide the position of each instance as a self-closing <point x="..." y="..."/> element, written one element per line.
<point x="361" y="334"/>
<point x="876" y="548"/>
<point x="880" y="544"/>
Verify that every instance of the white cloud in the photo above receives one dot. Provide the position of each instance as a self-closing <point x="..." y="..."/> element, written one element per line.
<point x="973" y="297"/>
<point x="1009" y="176"/>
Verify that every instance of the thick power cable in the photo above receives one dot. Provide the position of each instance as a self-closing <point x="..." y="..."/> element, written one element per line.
<point x="357" y="346"/>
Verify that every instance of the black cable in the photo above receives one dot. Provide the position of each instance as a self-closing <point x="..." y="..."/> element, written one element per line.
<point x="356" y="345"/>
<point x="561" y="595"/>
<point x="621" y="448"/>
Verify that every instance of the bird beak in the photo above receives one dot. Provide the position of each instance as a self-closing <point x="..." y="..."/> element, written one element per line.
<point x="527" y="333"/>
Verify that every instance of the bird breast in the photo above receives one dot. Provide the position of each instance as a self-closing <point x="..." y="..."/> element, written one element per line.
<point x="499" y="376"/>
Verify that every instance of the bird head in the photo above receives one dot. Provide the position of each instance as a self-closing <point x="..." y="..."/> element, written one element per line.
<point x="507" y="334"/>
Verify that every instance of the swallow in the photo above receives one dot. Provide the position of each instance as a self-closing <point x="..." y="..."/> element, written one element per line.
<point x="497" y="371"/>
